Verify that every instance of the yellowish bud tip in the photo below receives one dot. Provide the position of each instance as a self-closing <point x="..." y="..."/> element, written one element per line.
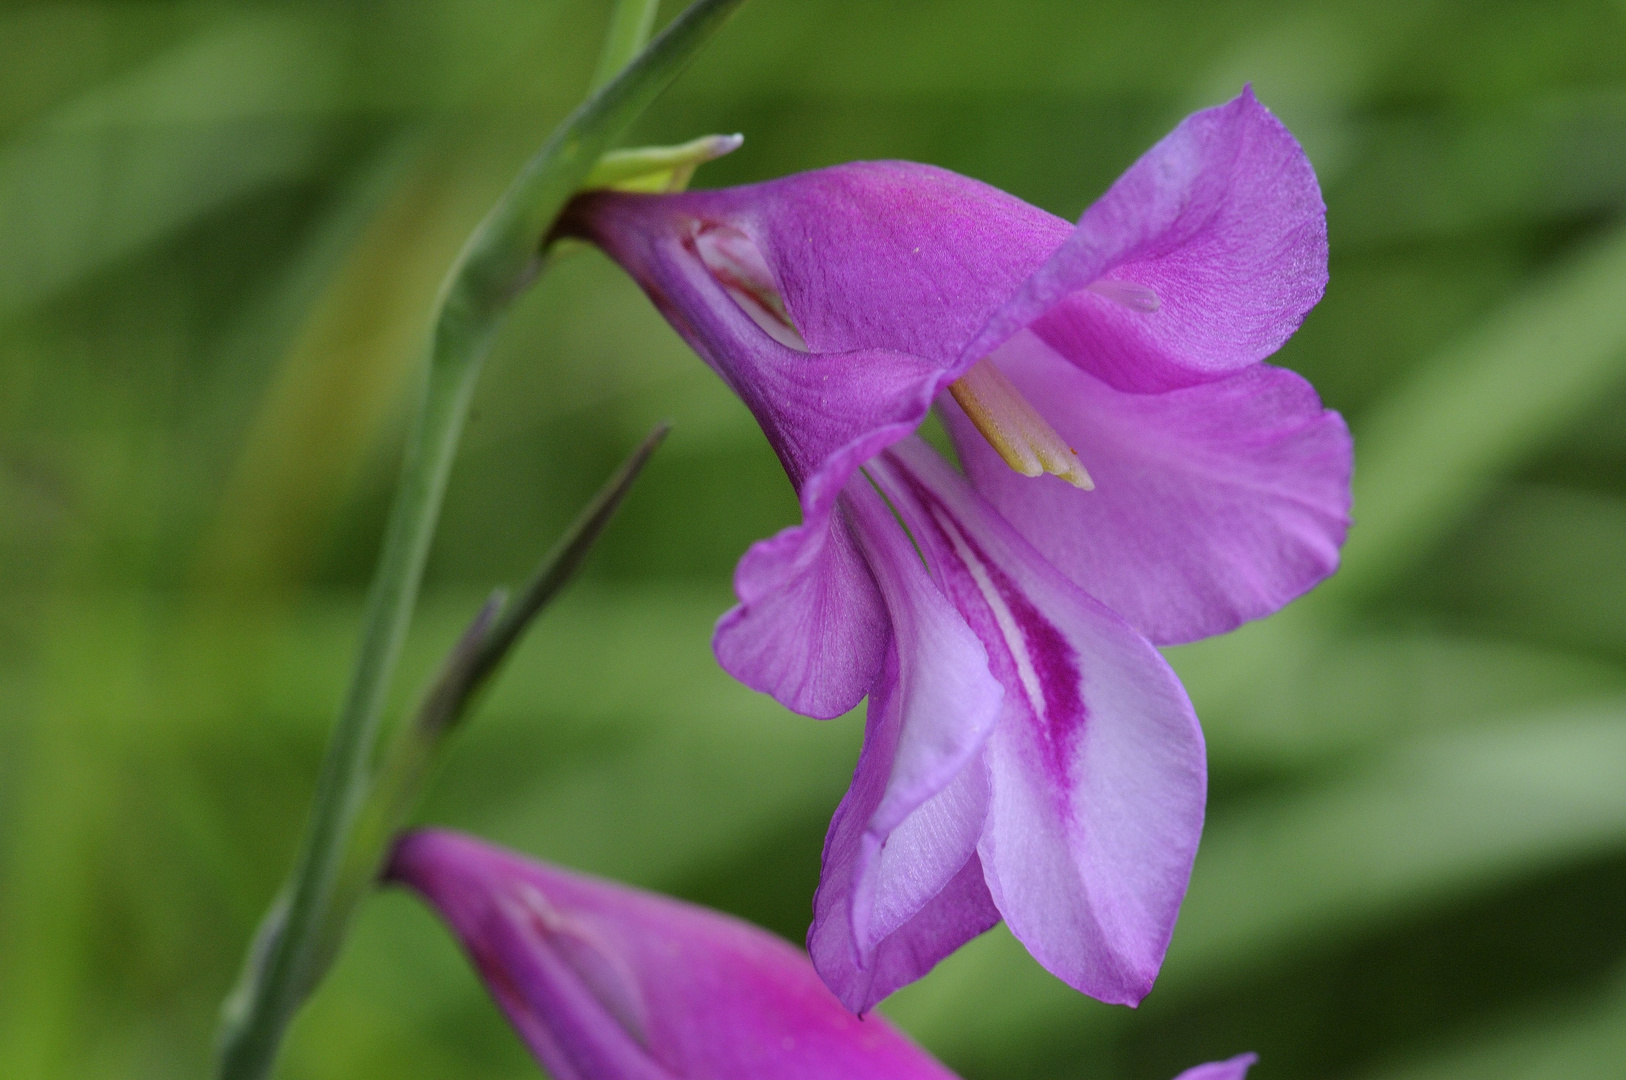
<point x="1014" y="428"/>
<point x="655" y="169"/>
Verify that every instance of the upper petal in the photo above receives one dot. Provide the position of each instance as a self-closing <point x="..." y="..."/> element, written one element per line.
<point x="1222" y="220"/>
<point x="609" y="983"/>
<point x="814" y="406"/>
<point x="1096" y="768"/>
<point x="1213" y="504"/>
<point x="866" y="255"/>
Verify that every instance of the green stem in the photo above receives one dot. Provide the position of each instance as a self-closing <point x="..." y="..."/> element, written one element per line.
<point x="287" y="970"/>
<point x="468" y="667"/>
<point x="630" y="24"/>
<point x="504" y="254"/>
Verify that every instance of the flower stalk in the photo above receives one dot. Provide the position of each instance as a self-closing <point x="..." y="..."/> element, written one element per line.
<point x="506" y="253"/>
<point x="481" y="650"/>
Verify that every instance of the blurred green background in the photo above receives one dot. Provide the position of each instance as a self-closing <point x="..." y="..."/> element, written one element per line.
<point x="221" y="227"/>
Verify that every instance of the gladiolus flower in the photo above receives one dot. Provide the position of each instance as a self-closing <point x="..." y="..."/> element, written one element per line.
<point x="1134" y="476"/>
<point x="604" y="982"/>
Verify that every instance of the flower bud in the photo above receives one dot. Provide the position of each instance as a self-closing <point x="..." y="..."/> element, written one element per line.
<point x="604" y="982"/>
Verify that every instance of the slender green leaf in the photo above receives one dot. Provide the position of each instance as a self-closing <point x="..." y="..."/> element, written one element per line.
<point x="477" y="655"/>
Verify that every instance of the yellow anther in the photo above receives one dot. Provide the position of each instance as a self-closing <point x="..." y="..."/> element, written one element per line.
<point x="1014" y="428"/>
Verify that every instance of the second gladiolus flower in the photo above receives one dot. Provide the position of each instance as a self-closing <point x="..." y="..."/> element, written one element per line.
<point x="604" y="982"/>
<point x="1134" y="476"/>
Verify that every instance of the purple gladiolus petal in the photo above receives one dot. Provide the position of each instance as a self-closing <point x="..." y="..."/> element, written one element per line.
<point x="810" y="627"/>
<point x="910" y="824"/>
<point x="1213" y="504"/>
<point x="1232" y="1069"/>
<point x="1096" y="768"/>
<point x="868" y="255"/>
<point x="945" y="698"/>
<point x="1220" y="225"/>
<point x="889" y="908"/>
<point x="605" y="982"/>
<point x="961" y="911"/>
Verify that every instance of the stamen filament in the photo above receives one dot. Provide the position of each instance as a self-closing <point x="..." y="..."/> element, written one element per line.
<point x="1014" y="428"/>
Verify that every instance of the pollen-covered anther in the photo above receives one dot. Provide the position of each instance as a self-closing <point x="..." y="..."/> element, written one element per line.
<point x="1014" y="428"/>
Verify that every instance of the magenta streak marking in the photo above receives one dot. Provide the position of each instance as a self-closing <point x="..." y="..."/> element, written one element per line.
<point x="1051" y="657"/>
